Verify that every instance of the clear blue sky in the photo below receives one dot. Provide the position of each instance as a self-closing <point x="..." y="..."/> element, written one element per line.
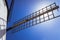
<point x="49" y="30"/>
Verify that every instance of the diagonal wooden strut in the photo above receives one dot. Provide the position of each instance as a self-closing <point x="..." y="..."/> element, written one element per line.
<point x="10" y="10"/>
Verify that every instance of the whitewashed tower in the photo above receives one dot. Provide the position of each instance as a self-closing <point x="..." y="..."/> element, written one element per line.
<point x="3" y="19"/>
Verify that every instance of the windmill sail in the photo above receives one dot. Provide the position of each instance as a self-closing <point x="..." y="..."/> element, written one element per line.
<point x="37" y="17"/>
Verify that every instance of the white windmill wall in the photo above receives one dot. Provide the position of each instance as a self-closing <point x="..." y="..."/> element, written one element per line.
<point x="3" y="19"/>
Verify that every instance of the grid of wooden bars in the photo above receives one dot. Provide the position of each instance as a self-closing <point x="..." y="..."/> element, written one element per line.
<point x="37" y="17"/>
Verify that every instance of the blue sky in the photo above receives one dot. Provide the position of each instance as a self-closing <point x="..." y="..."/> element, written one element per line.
<point x="49" y="30"/>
